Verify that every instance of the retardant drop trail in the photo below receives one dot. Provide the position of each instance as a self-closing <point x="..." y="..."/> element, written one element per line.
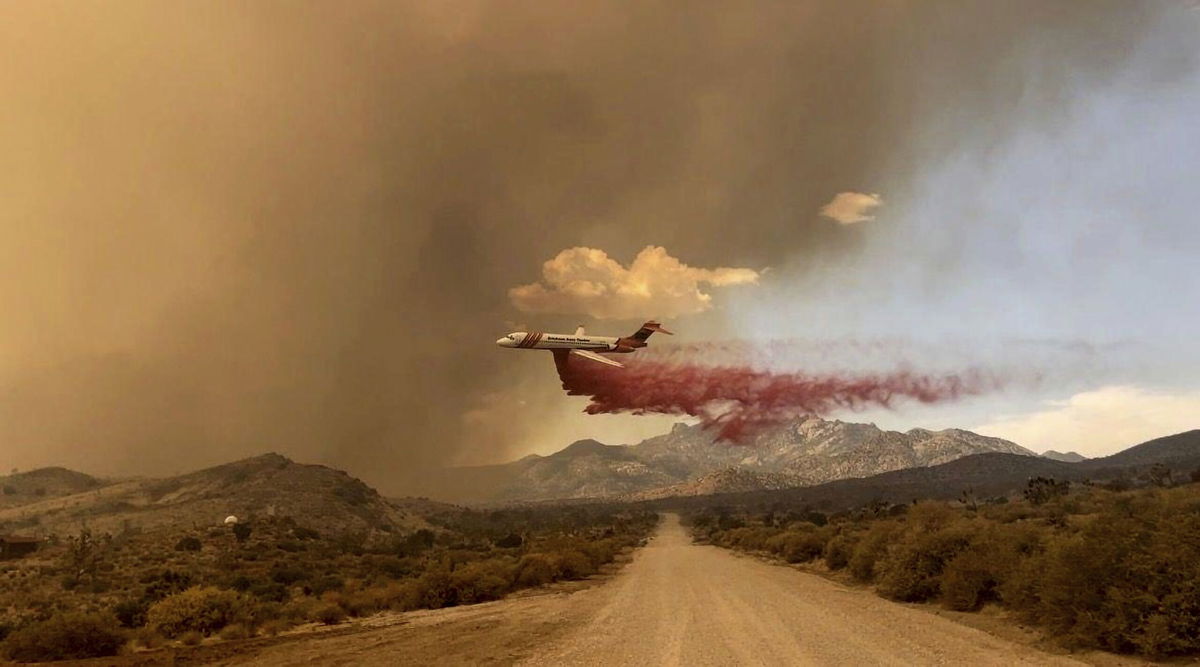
<point x="740" y="401"/>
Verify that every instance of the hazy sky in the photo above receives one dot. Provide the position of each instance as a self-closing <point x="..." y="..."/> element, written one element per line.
<point x="229" y="228"/>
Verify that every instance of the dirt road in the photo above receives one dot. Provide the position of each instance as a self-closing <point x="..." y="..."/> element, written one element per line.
<point x="676" y="603"/>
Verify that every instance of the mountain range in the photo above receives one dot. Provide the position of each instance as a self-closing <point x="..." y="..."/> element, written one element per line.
<point x="60" y="501"/>
<point x="981" y="476"/>
<point x="268" y="485"/>
<point x="689" y="461"/>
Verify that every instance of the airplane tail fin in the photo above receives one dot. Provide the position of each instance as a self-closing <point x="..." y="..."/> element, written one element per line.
<point x="648" y="328"/>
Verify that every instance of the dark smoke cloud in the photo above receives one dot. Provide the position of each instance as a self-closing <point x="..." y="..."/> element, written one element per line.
<point x="235" y="228"/>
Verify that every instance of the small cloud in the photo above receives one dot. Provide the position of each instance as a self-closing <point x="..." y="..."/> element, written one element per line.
<point x="1100" y="422"/>
<point x="851" y="207"/>
<point x="587" y="281"/>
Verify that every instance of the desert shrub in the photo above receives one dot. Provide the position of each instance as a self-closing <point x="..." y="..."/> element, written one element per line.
<point x="204" y="610"/>
<point x="318" y="587"/>
<point x="1129" y="581"/>
<point x="234" y="631"/>
<point x="166" y="582"/>
<point x="275" y="626"/>
<point x="435" y="589"/>
<point x="911" y="569"/>
<point x="242" y="582"/>
<point x="298" y="609"/>
<point x="798" y="546"/>
<point x="131" y="613"/>
<point x="534" y="569"/>
<point x="188" y="543"/>
<point x="269" y="591"/>
<point x="838" y="551"/>
<point x="191" y="638"/>
<point x="287" y="576"/>
<point x="510" y="541"/>
<point x="572" y="564"/>
<point x="978" y="573"/>
<point x="399" y="595"/>
<point x="750" y="538"/>
<point x="306" y="533"/>
<point x="147" y="638"/>
<point x="241" y="532"/>
<point x="869" y="549"/>
<point x="601" y="551"/>
<point x="329" y="614"/>
<point x="66" y="636"/>
<point x="392" y="566"/>
<point x="363" y="602"/>
<point x="479" y="582"/>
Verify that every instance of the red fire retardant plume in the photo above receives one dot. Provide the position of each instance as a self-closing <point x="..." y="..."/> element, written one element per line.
<point x="740" y="401"/>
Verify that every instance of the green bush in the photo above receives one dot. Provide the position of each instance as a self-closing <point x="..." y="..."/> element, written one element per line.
<point x="72" y="635"/>
<point x="204" y="610"/>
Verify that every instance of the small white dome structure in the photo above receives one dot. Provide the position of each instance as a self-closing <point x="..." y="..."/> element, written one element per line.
<point x="230" y="520"/>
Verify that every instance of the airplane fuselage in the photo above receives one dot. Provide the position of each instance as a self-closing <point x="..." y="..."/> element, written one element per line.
<point x="579" y="344"/>
<point x="551" y="341"/>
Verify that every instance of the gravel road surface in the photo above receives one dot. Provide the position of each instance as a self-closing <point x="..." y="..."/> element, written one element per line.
<point x="675" y="603"/>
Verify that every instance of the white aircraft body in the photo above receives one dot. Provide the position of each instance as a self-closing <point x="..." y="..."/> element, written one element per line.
<point x="580" y="344"/>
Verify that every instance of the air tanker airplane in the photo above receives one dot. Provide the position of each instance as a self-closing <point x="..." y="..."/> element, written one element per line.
<point x="580" y="344"/>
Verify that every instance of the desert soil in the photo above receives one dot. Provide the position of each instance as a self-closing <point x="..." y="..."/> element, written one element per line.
<point x="675" y="603"/>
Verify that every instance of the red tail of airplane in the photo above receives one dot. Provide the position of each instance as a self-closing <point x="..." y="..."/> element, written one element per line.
<point x="638" y="339"/>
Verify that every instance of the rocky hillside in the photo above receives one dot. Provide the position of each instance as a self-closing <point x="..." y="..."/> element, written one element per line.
<point x="982" y="476"/>
<point x="263" y="486"/>
<point x="1066" y="457"/>
<point x="688" y="460"/>
<point x="22" y="488"/>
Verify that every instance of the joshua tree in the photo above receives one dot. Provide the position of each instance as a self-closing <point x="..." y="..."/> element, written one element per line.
<point x="968" y="498"/>
<point x="1041" y="489"/>
<point x="1159" y="475"/>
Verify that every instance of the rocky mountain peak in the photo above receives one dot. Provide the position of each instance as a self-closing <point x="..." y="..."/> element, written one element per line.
<point x="800" y="452"/>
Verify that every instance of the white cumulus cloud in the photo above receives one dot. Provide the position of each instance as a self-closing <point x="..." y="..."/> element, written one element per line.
<point x="588" y="281"/>
<point x="851" y="207"/>
<point x="1101" y="422"/>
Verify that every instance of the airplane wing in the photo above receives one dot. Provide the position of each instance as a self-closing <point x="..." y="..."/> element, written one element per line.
<point x="586" y="354"/>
